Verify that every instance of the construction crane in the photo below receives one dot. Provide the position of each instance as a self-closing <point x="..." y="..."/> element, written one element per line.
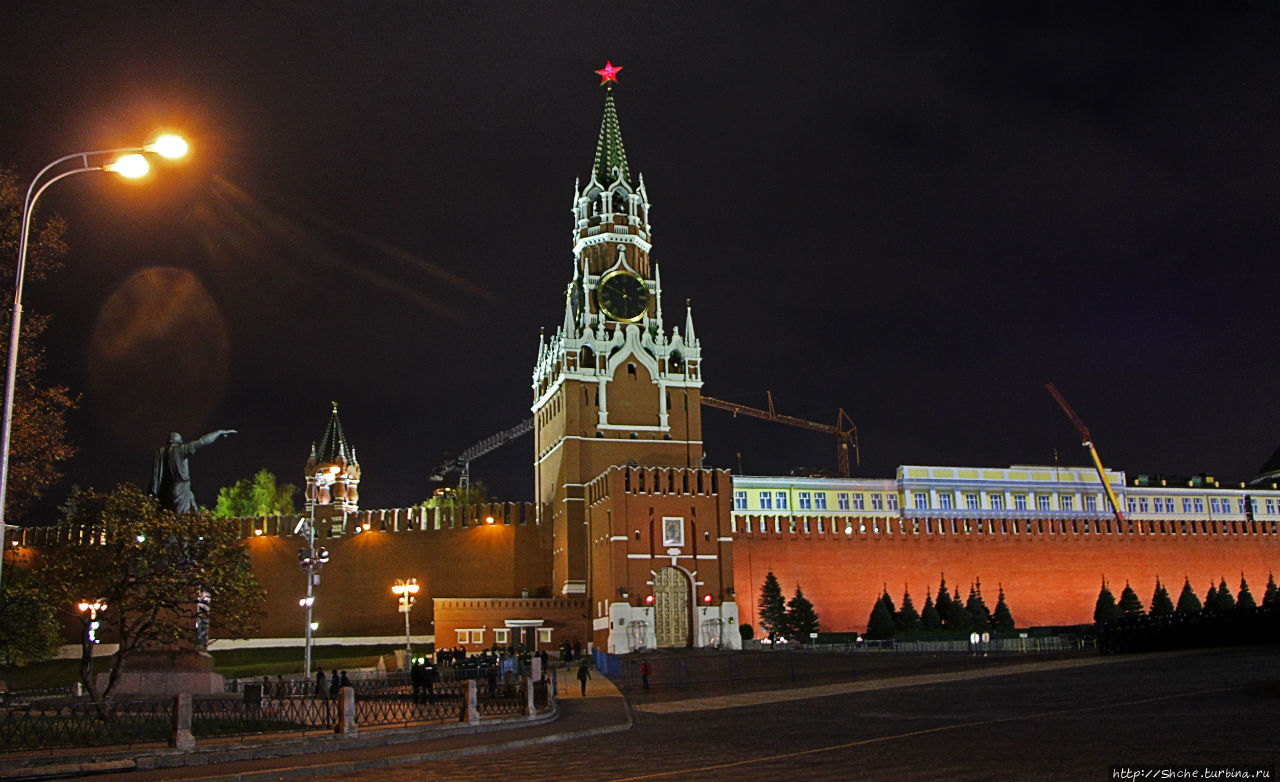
<point x="462" y="462"/>
<point x="844" y="429"/>
<point x="1087" y="441"/>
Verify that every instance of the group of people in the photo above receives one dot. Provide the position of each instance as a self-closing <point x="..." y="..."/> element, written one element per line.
<point x="338" y="681"/>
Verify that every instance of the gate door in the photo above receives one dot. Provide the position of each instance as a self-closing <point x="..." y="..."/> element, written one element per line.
<point x="671" y="607"/>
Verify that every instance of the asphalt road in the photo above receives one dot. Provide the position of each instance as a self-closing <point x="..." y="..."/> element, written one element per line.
<point x="1217" y="708"/>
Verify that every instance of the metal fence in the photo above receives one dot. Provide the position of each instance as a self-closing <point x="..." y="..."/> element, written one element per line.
<point x="293" y="708"/>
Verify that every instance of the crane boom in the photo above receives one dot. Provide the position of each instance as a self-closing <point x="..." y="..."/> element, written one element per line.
<point x="844" y="429"/>
<point x="493" y="442"/>
<point x="1087" y="441"/>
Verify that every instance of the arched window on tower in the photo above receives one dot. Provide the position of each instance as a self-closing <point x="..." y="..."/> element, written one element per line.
<point x="676" y="361"/>
<point x="587" y="358"/>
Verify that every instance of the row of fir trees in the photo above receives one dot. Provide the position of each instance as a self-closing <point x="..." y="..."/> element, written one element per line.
<point x="947" y="613"/>
<point x="794" y="620"/>
<point x="1217" y="600"/>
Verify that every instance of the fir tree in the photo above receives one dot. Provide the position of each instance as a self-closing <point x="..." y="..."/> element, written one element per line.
<point x="1002" y="619"/>
<point x="1211" y="598"/>
<point x="1161" y="603"/>
<point x="1106" y="607"/>
<point x="888" y="601"/>
<point x="943" y="604"/>
<point x="1226" y="603"/>
<point x="1245" y="598"/>
<point x="907" y="620"/>
<point x="976" y="607"/>
<point x="1271" y="598"/>
<point x="773" y="608"/>
<point x="929" y="619"/>
<point x="880" y="625"/>
<point x="1130" y="605"/>
<point x="1188" y="603"/>
<point x="801" y="618"/>
<point x="957" y="619"/>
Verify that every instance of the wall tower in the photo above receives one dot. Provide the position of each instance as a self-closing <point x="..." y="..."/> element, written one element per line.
<point x="333" y="473"/>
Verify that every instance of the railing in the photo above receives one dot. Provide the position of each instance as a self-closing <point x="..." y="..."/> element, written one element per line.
<point x="289" y="706"/>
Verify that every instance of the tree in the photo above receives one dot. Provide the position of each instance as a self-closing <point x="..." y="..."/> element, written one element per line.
<point x="1106" y="607"/>
<point x="1271" y="598"/>
<point x="976" y="608"/>
<point x="801" y="618"/>
<point x="888" y="601"/>
<point x="1130" y="605"/>
<point x="929" y="618"/>
<point x="1188" y="603"/>
<point x="880" y="625"/>
<point x="475" y="494"/>
<point x="259" y="496"/>
<point x="38" y="441"/>
<point x="1161" y="603"/>
<point x="154" y="569"/>
<point x="907" y="620"/>
<point x="957" y="619"/>
<point x="773" y="608"/>
<point x="1211" y="598"/>
<point x="1226" y="603"/>
<point x="29" y="630"/>
<point x="943" y="603"/>
<point x="1002" y="619"/>
<point x="1245" y="598"/>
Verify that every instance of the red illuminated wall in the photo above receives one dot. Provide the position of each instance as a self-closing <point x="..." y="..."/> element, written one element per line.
<point x="1049" y="579"/>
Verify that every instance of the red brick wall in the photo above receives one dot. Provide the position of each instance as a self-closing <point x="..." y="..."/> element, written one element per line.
<point x="1048" y="579"/>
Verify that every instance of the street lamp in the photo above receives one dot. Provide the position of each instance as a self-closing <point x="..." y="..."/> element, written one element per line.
<point x="129" y="162"/>
<point x="93" y="608"/>
<point x="405" y="590"/>
<point x="310" y="559"/>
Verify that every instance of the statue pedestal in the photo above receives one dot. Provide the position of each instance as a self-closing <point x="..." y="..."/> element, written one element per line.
<point x="167" y="672"/>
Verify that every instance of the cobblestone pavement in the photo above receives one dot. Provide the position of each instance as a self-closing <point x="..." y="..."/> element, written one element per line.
<point x="1069" y="723"/>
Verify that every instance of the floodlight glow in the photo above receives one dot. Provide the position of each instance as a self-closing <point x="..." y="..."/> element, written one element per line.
<point x="129" y="166"/>
<point x="169" y="145"/>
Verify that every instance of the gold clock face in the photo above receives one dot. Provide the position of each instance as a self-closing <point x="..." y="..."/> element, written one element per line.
<point x="623" y="296"/>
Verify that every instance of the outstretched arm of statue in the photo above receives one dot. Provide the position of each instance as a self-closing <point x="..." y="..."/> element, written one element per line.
<point x="208" y="438"/>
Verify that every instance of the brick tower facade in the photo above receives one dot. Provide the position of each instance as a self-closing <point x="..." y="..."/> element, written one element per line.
<point x="615" y="392"/>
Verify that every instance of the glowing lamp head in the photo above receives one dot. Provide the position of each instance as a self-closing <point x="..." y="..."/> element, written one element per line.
<point x="706" y="598"/>
<point x="334" y="470"/>
<point x="169" y="145"/>
<point x="648" y="600"/>
<point x="488" y="519"/>
<point x="129" y="166"/>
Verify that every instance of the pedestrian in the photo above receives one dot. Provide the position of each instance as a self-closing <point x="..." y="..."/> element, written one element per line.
<point x="417" y="678"/>
<point x="583" y="675"/>
<point x="334" y="684"/>
<point x="577" y="650"/>
<point x="319" y="681"/>
<point x="644" y="673"/>
<point x="282" y="688"/>
<point x="345" y="682"/>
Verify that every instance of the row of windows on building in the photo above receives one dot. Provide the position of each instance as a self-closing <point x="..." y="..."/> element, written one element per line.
<point x="973" y="501"/>
<point x="475" y="636"/>
<point x="817" y="500"/>
<point x="1197" y="505"/>
<point x="776" y="524"/>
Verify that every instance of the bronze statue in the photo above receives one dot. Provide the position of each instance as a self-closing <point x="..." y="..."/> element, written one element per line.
<point x="170" y="475"/>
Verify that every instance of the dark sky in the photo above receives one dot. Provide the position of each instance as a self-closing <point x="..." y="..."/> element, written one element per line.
<point x="917" y="212"/>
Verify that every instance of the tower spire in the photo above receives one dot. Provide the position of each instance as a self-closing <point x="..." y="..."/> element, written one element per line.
<point x="611" y="159"/>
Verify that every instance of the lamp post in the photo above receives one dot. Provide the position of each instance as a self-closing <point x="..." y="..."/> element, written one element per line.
<point x="93" y="608"/>
<point x="129" y="162"/>
<point x="405" y="590"/>
<point x="310" y="559"/>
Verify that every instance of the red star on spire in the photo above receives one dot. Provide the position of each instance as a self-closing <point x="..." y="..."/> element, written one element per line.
<point x="609" y="73"/>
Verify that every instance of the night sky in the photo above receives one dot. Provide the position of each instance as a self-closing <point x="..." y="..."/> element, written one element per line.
<point x="919" y="213"/>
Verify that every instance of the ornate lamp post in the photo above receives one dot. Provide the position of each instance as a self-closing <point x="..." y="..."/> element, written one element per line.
<point x="405" y="590"/>
<point x="93" y="608"/>
<point x="130" y="162"/>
